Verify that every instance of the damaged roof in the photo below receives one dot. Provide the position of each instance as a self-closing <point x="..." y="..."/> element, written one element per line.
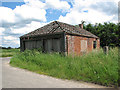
<point x="57" y="26"/>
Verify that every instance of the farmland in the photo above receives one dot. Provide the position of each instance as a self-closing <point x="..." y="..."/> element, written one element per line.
<point x="8" y="52"/>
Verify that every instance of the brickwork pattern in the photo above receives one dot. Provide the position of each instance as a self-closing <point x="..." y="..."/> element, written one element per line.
<point x="73" y="44"/>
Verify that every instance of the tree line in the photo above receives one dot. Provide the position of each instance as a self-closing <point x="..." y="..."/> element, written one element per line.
<point x="8" y="47"/>
<point x="109" y="33"/>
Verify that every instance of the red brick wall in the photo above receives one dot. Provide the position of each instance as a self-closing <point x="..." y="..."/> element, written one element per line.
<point x="73" y="44"/>
<point x="98" y="43"/>
<point x="69" y="44"/>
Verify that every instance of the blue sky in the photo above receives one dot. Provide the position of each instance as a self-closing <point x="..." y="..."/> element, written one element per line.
<point x="12" y="5"/>
<point x="23" y="16"/>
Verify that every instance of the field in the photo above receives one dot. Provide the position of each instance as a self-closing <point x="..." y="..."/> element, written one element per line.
<point x="8" y="52"/>
<point x="95" y="67"/>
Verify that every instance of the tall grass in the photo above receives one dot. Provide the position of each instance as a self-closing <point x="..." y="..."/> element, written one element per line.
<point x="94" y="67"/>
<point x="8" y="52"/>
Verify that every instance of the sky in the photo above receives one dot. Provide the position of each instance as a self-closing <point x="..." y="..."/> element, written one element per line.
<point x="19" y="17"/>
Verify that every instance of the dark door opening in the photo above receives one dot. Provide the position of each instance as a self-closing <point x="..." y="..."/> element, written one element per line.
<point x="51" y="45"/>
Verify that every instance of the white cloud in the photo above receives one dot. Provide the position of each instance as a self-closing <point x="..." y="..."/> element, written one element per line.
<point x="1" y="34"/>
<point x="16" y="42"/>
<point x="28" y="28"/>
<point x="75" y="17"/>
<point x="6" y="15"/>
<point x="35" y="3"/>
<point x="54" y="4"/>
<point x="99" y="14"/>
<point x="9" y="38"/>
<point x="11" y="43"/>
<point x="32" y="10"/>
<point x="57" y="4"/>
<point x="28" y="12"/>
<point x="1" y="31"/>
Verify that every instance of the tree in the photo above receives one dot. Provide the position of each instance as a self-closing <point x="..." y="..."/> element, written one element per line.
<point x="107" y="32"/>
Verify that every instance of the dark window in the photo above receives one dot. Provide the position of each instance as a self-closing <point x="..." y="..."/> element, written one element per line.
<point x="94" y="44"/>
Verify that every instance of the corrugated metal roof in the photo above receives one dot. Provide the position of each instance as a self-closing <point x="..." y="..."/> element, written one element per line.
<point x="57" y="26"/>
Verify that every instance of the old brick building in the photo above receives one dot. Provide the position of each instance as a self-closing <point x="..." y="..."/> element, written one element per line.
<point x="60" y="37"/>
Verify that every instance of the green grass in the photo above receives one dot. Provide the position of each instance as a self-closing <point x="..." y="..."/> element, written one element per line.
<point x="8" y="52"/>
<point x="94" y="67"/>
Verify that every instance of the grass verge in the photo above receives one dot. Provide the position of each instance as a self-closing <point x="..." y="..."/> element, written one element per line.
<point x="8" y="52"/>
<point x="95" y="67"/>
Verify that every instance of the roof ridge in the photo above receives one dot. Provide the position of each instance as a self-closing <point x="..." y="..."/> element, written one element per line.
<point x="57" y="26"/>
<point x="54" y="29"/>
<point x="66" y="23"/>
<point x="63" y="28"/>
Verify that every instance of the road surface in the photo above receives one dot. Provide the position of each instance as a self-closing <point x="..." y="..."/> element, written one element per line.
<point x="19" y="78"/>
